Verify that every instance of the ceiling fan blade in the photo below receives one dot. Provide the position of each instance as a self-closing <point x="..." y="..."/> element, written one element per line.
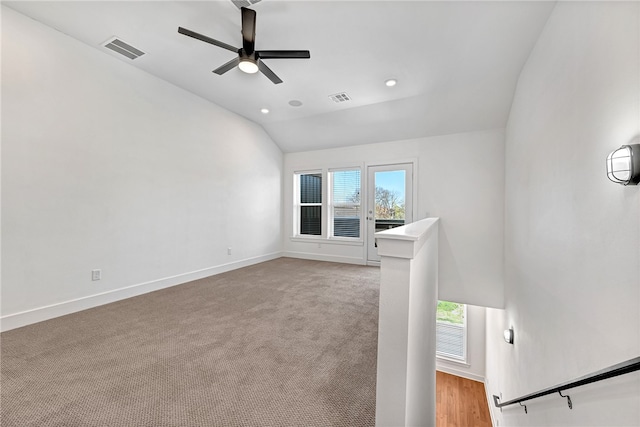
<point x="267" y="72"/>
<point x="284" y="54"/>
<point x="207" y="39"/>
<point x="248" y="30"/>
<point x="226" y="67"/>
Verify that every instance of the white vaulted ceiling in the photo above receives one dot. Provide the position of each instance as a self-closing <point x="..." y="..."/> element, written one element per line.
<point x="457" y="63"/>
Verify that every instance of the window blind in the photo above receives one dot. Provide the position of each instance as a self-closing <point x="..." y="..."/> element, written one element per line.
<point x="346" y="210"/>
<point x="311" y="204"/>
<point x="450" y="340"/>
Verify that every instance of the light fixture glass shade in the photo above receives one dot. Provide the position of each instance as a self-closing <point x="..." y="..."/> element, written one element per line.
<point x="508" y="335"/>
<point x="248" y="66"/>
<point x="623" y="165"/>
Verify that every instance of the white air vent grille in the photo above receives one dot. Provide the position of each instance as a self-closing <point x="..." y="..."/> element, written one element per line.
<point x="244" y="3"/>
<point x="340" y="97"/>
<point x="123" y="48"/>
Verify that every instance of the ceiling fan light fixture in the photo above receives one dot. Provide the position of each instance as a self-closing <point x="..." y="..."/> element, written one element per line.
<point x="248" y="56"/>
<point x="248" y="65"/>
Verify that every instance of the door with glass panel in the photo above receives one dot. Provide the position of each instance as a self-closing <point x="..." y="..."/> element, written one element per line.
<point x="389" y="201"/>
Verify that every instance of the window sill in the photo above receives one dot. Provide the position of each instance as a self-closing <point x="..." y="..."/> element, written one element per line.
<point x="460" y="362"/>
<point x="331" y="241"/>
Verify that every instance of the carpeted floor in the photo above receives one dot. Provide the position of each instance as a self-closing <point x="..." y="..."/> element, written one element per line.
<point x="283" y="343"/>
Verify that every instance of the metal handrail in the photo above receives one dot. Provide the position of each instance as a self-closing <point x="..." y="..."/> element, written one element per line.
<point x="622" y="368"/>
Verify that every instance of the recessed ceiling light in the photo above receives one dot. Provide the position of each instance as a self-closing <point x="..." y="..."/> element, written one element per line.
<point x="391" y="82"/>
<point x="295" y="103"/>
<point x="265" y="111"/>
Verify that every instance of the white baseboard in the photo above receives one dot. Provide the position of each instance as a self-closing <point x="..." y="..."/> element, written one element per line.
<point x="490" y="403"/>
<point x="24" y="318"/>
<point x="459" y="373"/>
<point x="323" y="257"/>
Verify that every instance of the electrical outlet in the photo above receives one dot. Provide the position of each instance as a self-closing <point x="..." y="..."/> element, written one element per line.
<point x="96" y="274"/>
<point x="229" y="251"/>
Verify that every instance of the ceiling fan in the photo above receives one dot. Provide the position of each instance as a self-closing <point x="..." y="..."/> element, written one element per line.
<point x="249" y="60"/>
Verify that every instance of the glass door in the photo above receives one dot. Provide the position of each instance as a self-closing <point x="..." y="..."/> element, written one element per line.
<point x="389" y="201"/>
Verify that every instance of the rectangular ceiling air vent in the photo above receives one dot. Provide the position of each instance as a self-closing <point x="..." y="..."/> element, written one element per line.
<point x="244" y="3"/>
<point x="340" y="97"/>
<point x="123" y="48"/>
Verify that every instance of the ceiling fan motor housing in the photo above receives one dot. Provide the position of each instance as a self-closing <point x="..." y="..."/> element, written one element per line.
<point x="248" y="59"/>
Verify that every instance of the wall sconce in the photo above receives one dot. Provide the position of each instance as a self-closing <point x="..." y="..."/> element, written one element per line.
<point x="623" y="165"/>
<point x="508" y="335"/>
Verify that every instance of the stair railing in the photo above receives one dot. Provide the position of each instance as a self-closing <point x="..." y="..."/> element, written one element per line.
<point x="622" y="368"/>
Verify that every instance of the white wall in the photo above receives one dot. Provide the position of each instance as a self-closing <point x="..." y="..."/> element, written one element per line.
<point x="406" y="377"/>
<point x="572" y="284"/>
<point x="474" y="368"/>
<point x="460" y="179"/>
<point x="106" y="167"/>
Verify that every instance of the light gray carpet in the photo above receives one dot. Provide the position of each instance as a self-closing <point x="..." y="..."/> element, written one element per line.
<point x="283" y="343"/>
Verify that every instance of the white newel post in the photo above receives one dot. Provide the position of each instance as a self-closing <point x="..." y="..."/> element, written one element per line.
<point x="406" y="394"/>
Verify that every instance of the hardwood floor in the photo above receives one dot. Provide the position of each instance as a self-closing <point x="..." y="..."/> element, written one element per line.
<point x="460" y="402"/>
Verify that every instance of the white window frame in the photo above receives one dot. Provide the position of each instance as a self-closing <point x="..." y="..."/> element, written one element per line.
<point x="452" y="357"/>
<point x="297" y="204"/>
<point x="331" y="205"/>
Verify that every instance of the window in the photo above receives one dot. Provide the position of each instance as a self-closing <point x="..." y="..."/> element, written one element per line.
<point x="328" y="205"/>
<point x="310" y="203"/>
<point x="345" y="203"/>
<point x="451" y="331"/>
